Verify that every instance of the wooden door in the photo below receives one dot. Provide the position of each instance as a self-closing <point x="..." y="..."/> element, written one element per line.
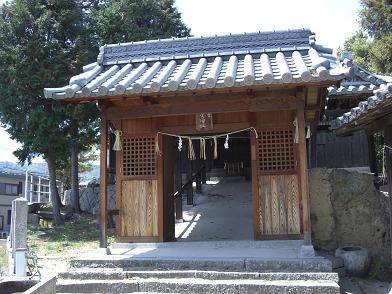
<point x="138" y="200"/>
<point x="275" y="184"/>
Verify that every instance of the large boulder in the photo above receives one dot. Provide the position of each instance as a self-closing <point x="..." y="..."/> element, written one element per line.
<point x="347" y="210"/>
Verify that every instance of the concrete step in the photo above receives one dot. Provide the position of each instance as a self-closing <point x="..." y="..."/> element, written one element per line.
<point x="316" y="264"/>
<point x="89" y="274"/>
<point x="187" y="285"/>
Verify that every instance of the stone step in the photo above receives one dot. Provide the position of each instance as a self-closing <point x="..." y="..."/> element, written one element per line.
<point x="193" y="286"/>
<point x="315" y="264"/>
<point x="88" y="274"/>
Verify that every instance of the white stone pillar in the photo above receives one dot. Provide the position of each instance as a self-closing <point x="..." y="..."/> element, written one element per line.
<point x="19" y="232"/>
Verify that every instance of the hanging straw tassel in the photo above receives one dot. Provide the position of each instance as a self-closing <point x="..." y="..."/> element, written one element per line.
<point x="157" y="150"/>
<point x="308" y="132"/>
<point x="191" y="151"/>
<point x="296" y="135"/>
<point x="215" y="148"/>
<point x="203" y="148"/>
<point x="117" y="143"/>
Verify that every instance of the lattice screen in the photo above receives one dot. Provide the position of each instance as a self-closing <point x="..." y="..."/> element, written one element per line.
<point x="276" y="151"/>
<point x="139" y="156"/>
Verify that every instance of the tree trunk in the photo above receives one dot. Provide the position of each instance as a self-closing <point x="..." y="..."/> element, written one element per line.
<point x="58" y="221"/>
<point x="75" y="177"/>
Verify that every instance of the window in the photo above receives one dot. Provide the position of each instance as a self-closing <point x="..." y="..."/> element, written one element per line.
<point x="9" y="189"/>
<point x="1" y="222"/>
<point x="8" y="217"/>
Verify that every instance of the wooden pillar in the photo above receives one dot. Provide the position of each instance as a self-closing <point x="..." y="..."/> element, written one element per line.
<point x="388" y="151"/>
<point x="303" y="174"/>
<point x="204" y="172"/>
<point x="198" y="176"/>
<point x="178" y="184"/>
<point x="313" y="146"/>
<point x="168" y="189"/>
<point x="255" y="187"/>
<point x="372" y="154"/>
<point x="189" y="190"/>
<point x="103" y="179"/>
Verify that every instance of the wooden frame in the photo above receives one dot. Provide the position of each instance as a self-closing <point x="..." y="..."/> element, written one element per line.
<point x="289" y="100"/>
<point x="103" y="179"/>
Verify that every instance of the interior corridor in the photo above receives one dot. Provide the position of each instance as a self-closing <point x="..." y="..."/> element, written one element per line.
<point x="222" y="212"/>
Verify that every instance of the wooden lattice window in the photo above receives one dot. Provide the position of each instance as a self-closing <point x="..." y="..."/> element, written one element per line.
<point x="276" y="151"/>
<point x="139" y="156"/>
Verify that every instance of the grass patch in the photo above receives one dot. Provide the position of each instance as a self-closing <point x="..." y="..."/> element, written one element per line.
<point x="78" y="235"/>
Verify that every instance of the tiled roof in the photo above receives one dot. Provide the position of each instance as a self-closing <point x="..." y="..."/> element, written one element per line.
<point x="362" y="82"/>
<point x="278" y="57"/>
<point x="14" y="170"/>
<point x="381" y="95"/>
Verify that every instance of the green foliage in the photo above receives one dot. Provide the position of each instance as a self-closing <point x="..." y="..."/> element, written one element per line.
<point x="375" y="53"/>
<point x="40" y="45"/>
<point x="359" y="46"/>
<point x="85" y="165"/>
<point x="3" y="261"/>
<point x="381" y="54"/>
<point x="376" y="17"/>
<point x="119" y="21"/>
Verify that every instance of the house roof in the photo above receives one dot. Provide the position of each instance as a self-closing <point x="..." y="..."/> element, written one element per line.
<point x="362" y="82"/>
<point x="277" y="57"/>
<point x="14" y="170"/>
<point x="375" y="107"/>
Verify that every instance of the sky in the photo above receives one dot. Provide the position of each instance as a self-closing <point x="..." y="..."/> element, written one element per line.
<point x="333" y="21"/>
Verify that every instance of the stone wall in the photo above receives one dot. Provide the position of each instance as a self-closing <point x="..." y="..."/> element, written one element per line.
<point x="89" y="198"/>
<point x="346" y="209"/>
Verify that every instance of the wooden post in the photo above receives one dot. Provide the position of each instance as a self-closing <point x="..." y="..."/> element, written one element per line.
<point x="198" y="177"/>
<point x="204" y="172"/>
<point x="313" y="146"/>
<point x="189" y="190"/>
<point x="178" y="184"/>
<point x="303" y="175"/>
<point x="168" y="189"/>
<point x="388" y="142"/>
<point x="372" y="154"/>
<point x="255" y="187"/>
<point x="103" y="179"/>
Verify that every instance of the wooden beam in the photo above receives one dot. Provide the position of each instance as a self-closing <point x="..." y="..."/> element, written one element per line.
<point x="218" y="128"/>
<point x="335" y="112"/>
<point x="261" y="87"/>
<point x="218" y="103"/>
<point x="303" y="175"/>
<point x="373" y="120"/>
<point x="103" y="179"/>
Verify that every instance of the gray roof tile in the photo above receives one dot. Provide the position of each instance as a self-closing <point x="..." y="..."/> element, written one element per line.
<point x="212" y="62"/>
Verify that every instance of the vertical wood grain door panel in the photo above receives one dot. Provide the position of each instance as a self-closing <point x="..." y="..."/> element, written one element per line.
<point x="277" y="183"/>
<point x="138" y="204"/>
<point x="279" y="205"/>
<point x="139" y="208"/>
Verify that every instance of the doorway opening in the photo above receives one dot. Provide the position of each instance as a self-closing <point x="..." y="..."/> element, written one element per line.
<point x="216" y="205"/>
